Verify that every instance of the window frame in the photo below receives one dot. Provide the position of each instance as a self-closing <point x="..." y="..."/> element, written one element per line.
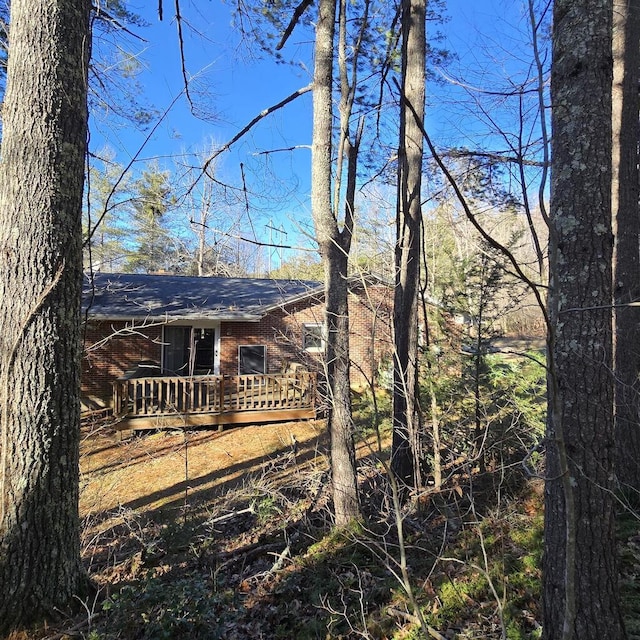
<point x="264" y="359"/>
<point x="321" y="337"/>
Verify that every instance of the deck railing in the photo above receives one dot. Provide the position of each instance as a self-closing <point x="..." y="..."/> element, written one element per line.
<point x="159" y="396"/>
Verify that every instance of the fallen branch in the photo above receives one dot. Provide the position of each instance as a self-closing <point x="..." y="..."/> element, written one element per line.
<point x="280" y="558"/>
<point x="249" y="552"/>
<point x="232" y="514"/>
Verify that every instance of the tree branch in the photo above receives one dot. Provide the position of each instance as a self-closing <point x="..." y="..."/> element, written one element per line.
<point x="494" y="157"/>
<point x="183" y="65"/>
<point x="91" y="231"/>
<point x="101" y="14"/>
<point x="295" y="18"/>
<point x="263" y="114"/>
<point x="467" y="210"/>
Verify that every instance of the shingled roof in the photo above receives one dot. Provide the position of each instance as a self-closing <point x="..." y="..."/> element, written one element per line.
<point x="124" y="296"/>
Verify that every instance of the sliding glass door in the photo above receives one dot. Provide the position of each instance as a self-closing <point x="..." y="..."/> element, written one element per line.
<point x="188" y="351"/>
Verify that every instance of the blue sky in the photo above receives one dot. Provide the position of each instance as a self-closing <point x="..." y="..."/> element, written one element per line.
<point x="492" y="43"/>
<point x="485" y="35"/>
<point x="238" y="87"/>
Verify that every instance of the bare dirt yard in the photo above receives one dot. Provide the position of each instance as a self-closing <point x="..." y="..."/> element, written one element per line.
<point x="165" y="471"/>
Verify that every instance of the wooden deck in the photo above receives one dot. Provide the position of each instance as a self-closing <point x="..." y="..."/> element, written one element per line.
<point x="159" y="402"/>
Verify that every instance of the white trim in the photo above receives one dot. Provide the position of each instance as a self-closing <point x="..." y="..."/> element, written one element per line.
<point x="306" y="330"/>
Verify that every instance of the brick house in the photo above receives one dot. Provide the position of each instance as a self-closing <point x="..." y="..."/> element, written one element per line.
<point x="165" y="325"/>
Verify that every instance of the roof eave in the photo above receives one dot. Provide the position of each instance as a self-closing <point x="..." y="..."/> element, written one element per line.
<point x="312" y="293"/>
<point x="167" y="319"/>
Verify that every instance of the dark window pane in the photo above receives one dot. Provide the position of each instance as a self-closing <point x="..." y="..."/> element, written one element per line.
<point x="205" y="351"/>
<point x="252" y="359"/>
<point x="176" y="350"/>
<point x="313" y="337"/>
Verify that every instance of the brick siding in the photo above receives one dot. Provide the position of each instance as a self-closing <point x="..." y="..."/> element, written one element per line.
<point x="110" y="350"/>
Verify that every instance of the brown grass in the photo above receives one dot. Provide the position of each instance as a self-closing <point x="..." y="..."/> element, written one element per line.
<point x="152" y="470"/>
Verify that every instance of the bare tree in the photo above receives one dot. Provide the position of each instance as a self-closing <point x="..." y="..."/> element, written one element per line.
<point x="334" y="246"/>
<point x="41" y="180"/>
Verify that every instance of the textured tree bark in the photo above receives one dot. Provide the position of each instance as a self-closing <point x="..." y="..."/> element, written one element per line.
<point x="626" y="229"/>
<point x="580" y="598"/>
<point x="41" y="182"/>
<point x="406" y="446"/>
<point x="343" y="457"/>
<point x="334" y="248"/>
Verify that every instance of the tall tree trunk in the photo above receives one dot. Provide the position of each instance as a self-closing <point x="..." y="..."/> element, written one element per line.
<point x="580" y="598"/>
<point x="626" y="228"/>
<point x="334" y="248"/>
<point x="41" y="180"/>
<point x="343" y="458"/>
<point x="406" y="446"/>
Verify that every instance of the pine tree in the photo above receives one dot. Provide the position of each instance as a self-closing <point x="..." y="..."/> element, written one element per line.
<point x="153" y="248"/>
<point x="580" y="592"/>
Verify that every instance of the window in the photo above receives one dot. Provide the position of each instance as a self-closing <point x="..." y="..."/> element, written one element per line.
<point x="252" y="359"/>
<point x="313" y="337"/>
